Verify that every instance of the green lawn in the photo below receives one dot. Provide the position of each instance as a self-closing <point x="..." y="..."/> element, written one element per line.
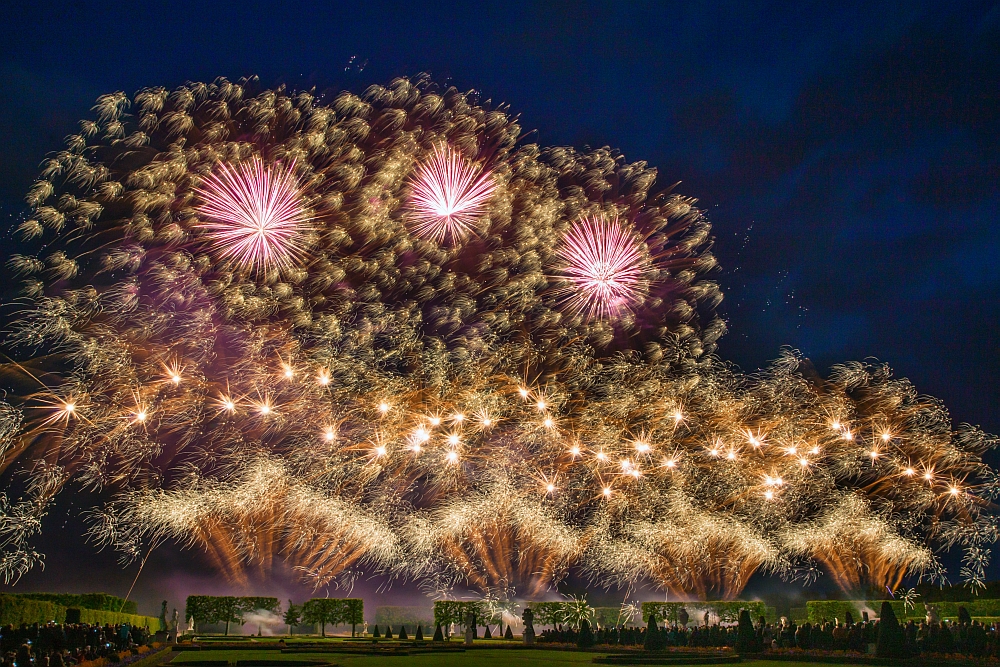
<point x="473" y="658"/>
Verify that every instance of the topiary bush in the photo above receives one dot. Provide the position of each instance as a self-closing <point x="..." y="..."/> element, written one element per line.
<point x="890" y="643"/>
<point x="818" y="611"/>
<point x="585" y="639"/>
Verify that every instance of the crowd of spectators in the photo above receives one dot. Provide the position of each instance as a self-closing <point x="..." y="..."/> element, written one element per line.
<point x="66" y="644"/>
<point x="969" y="638"/>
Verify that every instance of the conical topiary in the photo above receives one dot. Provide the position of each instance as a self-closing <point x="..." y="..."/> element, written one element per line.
<point x="508" y="634"/>
<point x="388" y="632"/>
<point x="420" y="634"/>
<point x="402" y="633"/>
<point x="487" y="634"/>
<point x="586" y="637"/>
<point x="375" y="633"/>
<point x="438" y="634"/>
<point x="652" y="642"/>
<point x="964" y="618"/>
<point x="890" y="643"/>
<point x="745" y="634"/>
<point x="848" y="618"/>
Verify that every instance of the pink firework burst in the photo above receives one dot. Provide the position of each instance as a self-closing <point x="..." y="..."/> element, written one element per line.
<point x="449" y="196"/>
<point x="255" y="214"/>
<point x="604" y="265"/>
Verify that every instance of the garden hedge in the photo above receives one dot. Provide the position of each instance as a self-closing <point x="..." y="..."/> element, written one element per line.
<point x="334" y="611"/>
<point x="725" y="611"/>
<point x="829" y="610"/>
<point x="447" y="612"/>
<point x="606" y="617"/>
<point x="818" y="611"/>
<point x="96" y="601"/>
<point x="16" y="609"/>
<point x="411" y="617"/>
<point x="99" y="617"/>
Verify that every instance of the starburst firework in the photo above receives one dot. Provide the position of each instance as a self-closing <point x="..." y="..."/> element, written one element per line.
<point x="605" y="266"/>
<point x="255" y="214"/>
<point x="383" y="404"/>
<point x="448" y="196"/>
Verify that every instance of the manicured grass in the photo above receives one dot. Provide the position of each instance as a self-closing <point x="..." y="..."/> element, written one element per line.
<point x="472" y="658"/>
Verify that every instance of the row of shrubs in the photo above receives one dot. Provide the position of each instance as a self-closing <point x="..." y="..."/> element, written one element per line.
<point x="94" y="601"/>
<point x="829" y="610"/>
<point x="18" y="608"/>
<point x="393" y="616"/>
<point x="568" y="613"/>
<point x="721" y="611"/>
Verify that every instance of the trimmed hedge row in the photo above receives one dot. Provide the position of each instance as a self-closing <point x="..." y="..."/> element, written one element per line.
<point x="411" y="617"/>
<point x="97" y="601"/>
<point x="828" y="610"/>
<point x="100" y="617"/>
<point x="818" y="611"/>
<point x="447" y="612"/>
<point x="727" y="612"/>
<point x="16" y="609"/>
<point x="607" y="617"/>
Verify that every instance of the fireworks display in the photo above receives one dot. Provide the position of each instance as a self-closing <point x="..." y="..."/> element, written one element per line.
<point x="604" y="266"/>
<point x="255" y="215"/>
<point x="382" y="335"/>
<point x="449" y="196"/>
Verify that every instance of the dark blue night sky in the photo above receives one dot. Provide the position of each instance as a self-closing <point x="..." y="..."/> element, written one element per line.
<point x="846" y="153"/>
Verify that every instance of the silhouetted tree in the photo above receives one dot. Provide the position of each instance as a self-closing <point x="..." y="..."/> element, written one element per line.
<point x="293" y="615"/>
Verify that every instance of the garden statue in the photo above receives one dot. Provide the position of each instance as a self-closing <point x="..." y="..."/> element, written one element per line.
<point x="528" y="617"/>
<point x="932" y="614"/>
<point x="470" y="628"/>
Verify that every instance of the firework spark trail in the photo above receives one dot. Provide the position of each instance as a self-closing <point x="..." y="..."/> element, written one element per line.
<point x="256" y="214"/>
<point x="406" y="394"/>
<point x="449" y="196"/>
<point x="604" y="264"/>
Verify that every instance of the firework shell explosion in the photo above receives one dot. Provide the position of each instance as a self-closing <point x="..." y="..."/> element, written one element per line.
<point x="384" y="336"/>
